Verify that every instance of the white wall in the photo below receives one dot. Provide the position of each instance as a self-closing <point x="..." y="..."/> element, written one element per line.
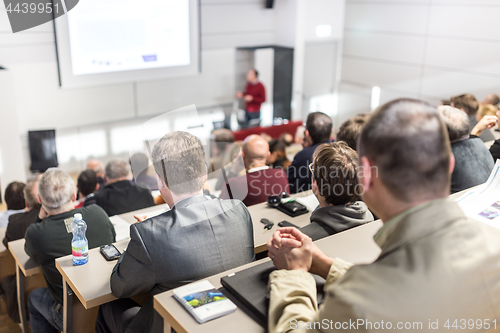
<point x="420" y="49"/>
<point x="31" y="59"/>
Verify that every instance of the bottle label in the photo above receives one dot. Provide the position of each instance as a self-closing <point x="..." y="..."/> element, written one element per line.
<point x="80" y="251"/>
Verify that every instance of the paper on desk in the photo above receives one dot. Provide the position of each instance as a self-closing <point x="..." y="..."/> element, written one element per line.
<point x="311" y="202"/>
<point x="156" y="212"/>
<point x="122" y="227"/>
<point x="483" y="204"/>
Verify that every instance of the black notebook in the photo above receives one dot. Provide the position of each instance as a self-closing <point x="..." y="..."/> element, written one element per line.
<point x="250" y="287"/>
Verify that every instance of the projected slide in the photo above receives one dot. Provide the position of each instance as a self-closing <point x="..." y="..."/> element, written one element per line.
<point x="122" y="35"/>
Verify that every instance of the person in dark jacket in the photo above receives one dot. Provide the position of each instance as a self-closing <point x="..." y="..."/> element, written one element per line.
<point x="119" y="195"/>
<point x="199" y="237"/>
<point x="51" y="238"/>
<point x="18" y="223"/>
<point x="318" y="130"/>
<point x="87" y="185"/>
<point x="335" y="185"/>
<point x="473" y="162"/>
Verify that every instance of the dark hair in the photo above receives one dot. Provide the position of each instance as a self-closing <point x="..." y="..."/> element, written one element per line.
<point x="351" y="129"/>
<point x="335" y="166"/>
<point x="221" y="138"/>
<point x="179" y="160"/>
<point x="319" y="126"/>
<point x="14" y="196"/>
<point x="466" y="102"/>
<point x="277" y="145"/>
<point x="494" y="99"/>
<point x="256" y="72"/>
<point x="87" y="182"/>
<point x="408" y="143"/>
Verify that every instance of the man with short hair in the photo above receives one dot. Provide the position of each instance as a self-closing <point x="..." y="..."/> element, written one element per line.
<point x="254" y="95"/>
<point x="469" y="104"/>
<point x="200" y="236"/>
<point x="51" y="238"/>
<point x="14" y="198"/>
<point x="119" y="195"/>
<point x="318" y="130"/>
<point x="473" y="161"/>
<point x="260" y="181"/>
<point x="87" y="184"/>
<point x="436" y="265"/>
<point x="350" y="130"/>
<point x="492" y="99"/>
<point x="335" y="185"/>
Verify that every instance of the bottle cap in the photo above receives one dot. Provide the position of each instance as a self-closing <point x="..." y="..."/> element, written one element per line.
<point x="78" y="217"/>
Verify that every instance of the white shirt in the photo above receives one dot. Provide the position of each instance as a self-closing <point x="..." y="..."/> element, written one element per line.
<point x="265" y="167"/>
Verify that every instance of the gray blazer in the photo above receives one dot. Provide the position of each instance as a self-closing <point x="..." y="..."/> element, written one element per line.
<point x="197" y="238"/>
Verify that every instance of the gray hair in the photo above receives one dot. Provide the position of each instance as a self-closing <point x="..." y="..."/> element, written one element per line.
<point x="457" y="122"/>
<point x="116" y="169"/>
<point x="55" y="189"/>
<point x="179" y="160"/>
<point x="29" y="194"/>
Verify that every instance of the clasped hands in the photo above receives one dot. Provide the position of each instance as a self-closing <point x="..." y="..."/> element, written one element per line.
<point x="291" y="249"/>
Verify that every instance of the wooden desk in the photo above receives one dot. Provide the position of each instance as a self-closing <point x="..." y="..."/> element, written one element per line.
<point x="90" y="284"/>
<point x="262" y="210"/>
<point x="354" y="245"/>
<point x="25" y="267"/>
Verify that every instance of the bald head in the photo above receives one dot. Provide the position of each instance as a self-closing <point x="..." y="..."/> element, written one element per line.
<point x="97" y="167"/>
<point x="255" y="151"/>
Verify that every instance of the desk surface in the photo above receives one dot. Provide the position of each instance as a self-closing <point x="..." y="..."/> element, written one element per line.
<point x="90" y="282"/>
<point x="354" y="245"/>
<point x="27" y="265"/>
<point x="262" y="210"/>
<point x="3" y="249"/>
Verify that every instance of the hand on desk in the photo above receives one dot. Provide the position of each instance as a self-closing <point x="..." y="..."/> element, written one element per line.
<point x="140" y="218"/>
<point x="291" y="249"/>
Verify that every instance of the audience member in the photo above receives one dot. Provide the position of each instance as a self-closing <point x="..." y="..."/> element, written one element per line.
<point x="140" y="168"/>
<point x="119" y="195"/>
<point x="200" y="236"/>
<point x="473" y="162"/>
<point x="18" y="223"/>
<point x="14" y="198"/>
<point x="98" y="168"/>
<point x="278" y="158"/>
<point x="335" y="185"/>
<point x="51" y="238"/>
<point x="469" y="104"/>
<point x="351" y="129"/>
<point x="300" y="135"/>
<point x="86" y="184"/>
<point x="318" y="130"/>
<point x="485" y="123"/>
<point x="220" y="142"/>
<point x="260" y="181"/>
<point x="486" y="110"/>
<point x="234" y="166"/>
<point x="491" y="99"/>
<point x="431" y="252"/>
<point x="287" y="139"/>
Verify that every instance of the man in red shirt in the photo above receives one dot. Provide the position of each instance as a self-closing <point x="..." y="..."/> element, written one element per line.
<point x="260" y="182"/>
<point x="254" y="95"/>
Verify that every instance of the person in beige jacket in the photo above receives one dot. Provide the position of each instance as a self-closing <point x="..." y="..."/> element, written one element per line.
<point x="438" y="270"/>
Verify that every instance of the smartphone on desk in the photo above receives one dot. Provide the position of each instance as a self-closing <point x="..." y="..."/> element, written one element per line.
<point x="287" y="224"/>
<point x="110" y="252"/>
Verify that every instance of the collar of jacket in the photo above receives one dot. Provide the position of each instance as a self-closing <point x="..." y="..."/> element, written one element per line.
<point x="418" y="222"/>
<point x="189" y="201"/>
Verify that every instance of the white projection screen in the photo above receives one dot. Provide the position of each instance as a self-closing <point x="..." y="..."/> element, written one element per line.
<point x="101" y="42"/>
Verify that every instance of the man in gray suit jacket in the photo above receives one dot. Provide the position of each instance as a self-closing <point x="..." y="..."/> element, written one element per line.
<point x="200" y="236"/>
<point x="437" y="269"/>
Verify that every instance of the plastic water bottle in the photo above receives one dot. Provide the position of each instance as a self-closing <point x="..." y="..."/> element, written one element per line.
<point x="79" y="243"/>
